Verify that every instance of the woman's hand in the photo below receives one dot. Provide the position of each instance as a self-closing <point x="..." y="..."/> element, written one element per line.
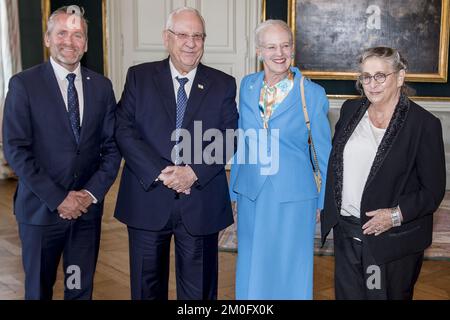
<point x="380" y="222"/>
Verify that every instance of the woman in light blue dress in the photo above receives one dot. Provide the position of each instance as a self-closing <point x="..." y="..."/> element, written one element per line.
<point x="272" y="174"/>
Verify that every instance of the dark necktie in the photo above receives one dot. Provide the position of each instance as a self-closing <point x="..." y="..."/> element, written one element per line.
<point x="73" y="106"/>
<point x="181" y="108"/>
<point x="181" y="101"/>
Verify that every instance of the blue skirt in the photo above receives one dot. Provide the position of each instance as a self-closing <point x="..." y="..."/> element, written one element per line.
<point x="275" y="247"/>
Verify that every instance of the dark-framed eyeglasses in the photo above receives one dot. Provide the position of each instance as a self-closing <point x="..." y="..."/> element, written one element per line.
<point x="379" y="77"/>
<point x="198" y="37"/>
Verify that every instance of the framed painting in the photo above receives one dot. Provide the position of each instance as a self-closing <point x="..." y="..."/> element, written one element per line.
<point x="330" y="35"/>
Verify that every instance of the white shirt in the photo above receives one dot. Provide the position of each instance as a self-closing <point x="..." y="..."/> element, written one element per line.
<point x="359" y="153"/>
<point x="176" y="85"/>
<point x="61" y="74"/>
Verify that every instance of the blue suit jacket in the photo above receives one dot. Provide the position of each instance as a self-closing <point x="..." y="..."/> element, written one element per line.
<point x="40" y="146"/>
<point x="146" y="118"/>
<point x="291" y="173"/>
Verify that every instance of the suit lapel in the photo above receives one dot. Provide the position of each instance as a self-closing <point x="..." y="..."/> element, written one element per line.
<point x="56" y="99"/>
<point x="253" y="95"/>
<point x="291" y="100"/>
<point x="288" y="103"/>
<point x="200" y="88"/>
<point x="164" y="83"/>
<point x="394" y="127"/>
<point x="88" y="105"/>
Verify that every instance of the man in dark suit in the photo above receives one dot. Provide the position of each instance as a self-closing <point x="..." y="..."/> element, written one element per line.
<point x="164" y="192"/>
<point x="59" y="139"/>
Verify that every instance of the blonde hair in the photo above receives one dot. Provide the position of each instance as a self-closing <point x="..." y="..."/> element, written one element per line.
<point x="70" y="10"/>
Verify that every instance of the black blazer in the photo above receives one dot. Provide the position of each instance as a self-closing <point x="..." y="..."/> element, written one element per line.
<point x="146" y="117"/>
<point x="408" y="170"/>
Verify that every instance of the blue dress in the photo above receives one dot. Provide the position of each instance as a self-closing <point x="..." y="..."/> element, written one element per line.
<point x="277" y="209"/>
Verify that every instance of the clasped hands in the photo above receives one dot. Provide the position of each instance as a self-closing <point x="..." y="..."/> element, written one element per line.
<point x="178" y="178"/>
<point x="75" y="204"/>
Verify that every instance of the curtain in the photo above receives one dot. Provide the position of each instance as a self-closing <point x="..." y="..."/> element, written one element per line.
<point x="10" y="62"/>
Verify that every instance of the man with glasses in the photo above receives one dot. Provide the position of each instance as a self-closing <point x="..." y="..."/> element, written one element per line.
<point x="163" y="192"/>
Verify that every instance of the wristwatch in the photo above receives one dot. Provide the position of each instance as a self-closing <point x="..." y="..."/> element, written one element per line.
<point x="395" y="216"/>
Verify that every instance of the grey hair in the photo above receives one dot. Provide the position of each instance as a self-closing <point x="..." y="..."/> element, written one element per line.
<point x="389" y="55"/>
<point x="169" y="23"/>
<point x="73" y="9"/>
<point x="269" y="23"/>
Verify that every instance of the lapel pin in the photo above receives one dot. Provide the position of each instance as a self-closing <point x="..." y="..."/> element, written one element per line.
<point x="200" y="86"/>
<point x="88" y="78"/>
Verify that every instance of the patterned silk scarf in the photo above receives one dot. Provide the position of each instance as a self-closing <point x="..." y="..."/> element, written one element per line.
<point x="271" y="97"/>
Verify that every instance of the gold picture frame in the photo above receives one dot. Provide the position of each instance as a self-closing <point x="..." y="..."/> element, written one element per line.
<point x="439" y="66"/>
<point x="46" y="8"/>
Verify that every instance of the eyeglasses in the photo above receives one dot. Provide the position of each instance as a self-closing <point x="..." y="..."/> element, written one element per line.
<point x="273" y="48"/>
<point x="379" y="77"/>
<point x="198" y="37"/>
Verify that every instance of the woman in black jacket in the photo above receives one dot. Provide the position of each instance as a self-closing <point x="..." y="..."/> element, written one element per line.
<point x="386" y="178"/>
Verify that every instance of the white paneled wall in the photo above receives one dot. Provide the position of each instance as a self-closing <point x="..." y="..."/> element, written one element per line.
<point x="135" y="34"/>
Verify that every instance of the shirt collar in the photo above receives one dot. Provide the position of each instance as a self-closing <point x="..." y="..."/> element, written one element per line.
<point x="175" y="73"/>
<point x="61" y="72"/>
<point x="282" y="83"/>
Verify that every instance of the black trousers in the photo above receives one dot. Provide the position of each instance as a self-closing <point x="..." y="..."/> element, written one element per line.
<point x="357" y="275"/>
<point x="42" y="247"/>
<point x="196" y="262"/>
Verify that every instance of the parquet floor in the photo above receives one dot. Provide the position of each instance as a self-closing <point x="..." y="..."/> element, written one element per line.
<point x="112" y="277"/>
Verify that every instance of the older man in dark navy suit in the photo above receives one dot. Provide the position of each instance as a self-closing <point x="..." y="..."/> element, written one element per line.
<point x="164" y="192"/>
<point x="59" y="139"/>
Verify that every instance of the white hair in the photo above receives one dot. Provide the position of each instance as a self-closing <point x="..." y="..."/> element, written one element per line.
<point x="169" y="23"/>
<point x="261" y="28"/>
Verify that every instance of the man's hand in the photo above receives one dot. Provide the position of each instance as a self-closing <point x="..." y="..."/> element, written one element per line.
<point x="84" y="198"/>
<point x="71" y="207"/>
<point x="178" y="178"/>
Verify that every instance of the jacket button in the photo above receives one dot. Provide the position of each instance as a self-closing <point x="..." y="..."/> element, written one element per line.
<point x="75" y="175"/>
<point x="78" y="152"/>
